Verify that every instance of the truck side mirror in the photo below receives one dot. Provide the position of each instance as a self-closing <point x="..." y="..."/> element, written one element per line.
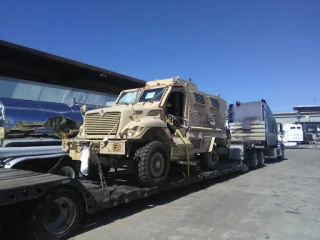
<point x="83" y="110"/>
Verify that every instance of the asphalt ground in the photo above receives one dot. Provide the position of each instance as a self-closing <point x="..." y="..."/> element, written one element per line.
<point x="278" y="201"/>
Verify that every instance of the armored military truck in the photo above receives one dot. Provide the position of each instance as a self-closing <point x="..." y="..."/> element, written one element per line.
<point x="148" y="128"/>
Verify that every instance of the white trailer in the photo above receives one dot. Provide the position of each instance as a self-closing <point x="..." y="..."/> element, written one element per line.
<point x="293" y="134"/>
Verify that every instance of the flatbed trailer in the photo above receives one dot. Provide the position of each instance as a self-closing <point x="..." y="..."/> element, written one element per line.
<point x="38" y="201"/>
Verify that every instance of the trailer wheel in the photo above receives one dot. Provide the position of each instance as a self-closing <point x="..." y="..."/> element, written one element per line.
<point x="69" y="169"/>
<point x="253" y="160"/>
<point x="152" y="164"/>
<point x="281" y="157"/>
<point x="209" y="160"/>
<point x="261" y="159"/>
<point x="57" y="216"/>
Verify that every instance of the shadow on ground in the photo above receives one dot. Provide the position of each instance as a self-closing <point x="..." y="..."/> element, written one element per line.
<point x="274" y="160"/>
<point x="125" y="210"/>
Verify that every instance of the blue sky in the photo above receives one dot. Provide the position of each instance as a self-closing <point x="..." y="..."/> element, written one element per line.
<point x="245" y="50"/>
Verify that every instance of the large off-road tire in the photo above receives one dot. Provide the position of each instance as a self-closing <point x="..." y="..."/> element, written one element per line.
<point x="253" y="160"/>
<point x="209" y="160"/>
<point x="261" y="159"/>
<point x="56" y="216"/>
<point x="152" y="164"/>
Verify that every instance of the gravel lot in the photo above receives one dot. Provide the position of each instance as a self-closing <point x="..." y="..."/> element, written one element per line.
<point x="279" y="201"/>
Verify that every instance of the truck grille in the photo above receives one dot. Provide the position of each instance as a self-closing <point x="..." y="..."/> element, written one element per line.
<point x="102" y="125"/>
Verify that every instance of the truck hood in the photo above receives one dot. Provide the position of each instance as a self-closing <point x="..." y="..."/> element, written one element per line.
<point x="114" y="120"/>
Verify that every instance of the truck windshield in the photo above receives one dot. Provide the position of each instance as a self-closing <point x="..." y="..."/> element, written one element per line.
<point x="129" y="97"/>
<point x="152" y="95"/>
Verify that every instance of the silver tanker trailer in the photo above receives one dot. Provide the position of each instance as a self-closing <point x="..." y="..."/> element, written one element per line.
<point x="31" y="133"/>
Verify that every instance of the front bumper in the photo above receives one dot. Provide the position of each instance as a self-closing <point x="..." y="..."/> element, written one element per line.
<point x="111" y="147"/>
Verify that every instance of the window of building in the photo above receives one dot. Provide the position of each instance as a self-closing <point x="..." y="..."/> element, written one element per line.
<point x="30" y="90"/>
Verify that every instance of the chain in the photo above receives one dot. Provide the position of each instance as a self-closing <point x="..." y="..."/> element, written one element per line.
<point x="51" y="170"/>
<point x="102" y="179"/>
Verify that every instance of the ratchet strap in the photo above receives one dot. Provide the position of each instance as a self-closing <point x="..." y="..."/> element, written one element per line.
<point x="184" y="141"/>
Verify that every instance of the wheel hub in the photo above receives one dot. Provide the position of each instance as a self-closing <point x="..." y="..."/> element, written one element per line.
<point x="60" y="216"/>
<point x="157" y="165"/>
<point x="67" y="171"/>
<point x="213" y="159"/>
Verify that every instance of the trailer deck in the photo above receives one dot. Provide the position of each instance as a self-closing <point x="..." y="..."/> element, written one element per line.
<point x="124" y="192"/>
<point x="21" y="185"/>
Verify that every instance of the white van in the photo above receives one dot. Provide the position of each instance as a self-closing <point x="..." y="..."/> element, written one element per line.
<point x="293" y="134"/>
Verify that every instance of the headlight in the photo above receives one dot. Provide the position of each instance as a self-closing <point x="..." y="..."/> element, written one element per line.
<point x="132" y="131"/>
<point x="81" y="131"/>
<point x="138" y="129"/>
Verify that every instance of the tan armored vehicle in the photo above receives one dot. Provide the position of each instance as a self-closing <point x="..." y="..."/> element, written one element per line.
<point x="148" y="128"/>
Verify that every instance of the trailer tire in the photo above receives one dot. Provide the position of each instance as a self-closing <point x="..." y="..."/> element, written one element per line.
<point x="281" y="157"/>
<point x="209" y="160"/>
<point x="152" y="164"/>
<point x="253" y="160"/>
<point x="56" y="216"/>
<point x="261" y="159"/>
<point x="69" y="169"/>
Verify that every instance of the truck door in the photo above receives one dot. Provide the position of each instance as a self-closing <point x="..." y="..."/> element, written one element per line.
<point x="175" y="106"/>
<point x="270" y="124"/>
<point x="176" y="109"/>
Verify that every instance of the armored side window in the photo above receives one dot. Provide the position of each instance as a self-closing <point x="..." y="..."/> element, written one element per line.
<point x="199" y="98"/>
<point x="215" y="103"/>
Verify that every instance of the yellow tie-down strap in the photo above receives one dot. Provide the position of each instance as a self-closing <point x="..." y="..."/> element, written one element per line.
<point x="184" y="141"/>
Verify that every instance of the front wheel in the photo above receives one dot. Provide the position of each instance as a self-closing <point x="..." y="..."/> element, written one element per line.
<point x="152" y="164"/>
<point x="57" y="216"/>
<point x="281" y="157"/>
<point x="261" y="159"/>
<point x="253" y="160"/>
